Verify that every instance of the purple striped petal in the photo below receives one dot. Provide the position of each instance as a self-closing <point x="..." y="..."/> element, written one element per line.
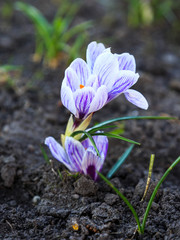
<point x="93" y="82"/>
<point x="136" y="98"/>
<point x="82" y="70"/>
<point x="94" y="49"/>
<point x="99" y="100"/>
<point x="125" y="80"/>
<point x="126" y="62"/>
<point x="101" y="143"/>
<point x="58" y="152"/>
<point x="71" y="79"/>
<point x="67" y="99"/>
<point x="92" y="163"/>
<point x="75" y="151"/>
<point x="83" y="98"/>
<point x="106" y="68"/>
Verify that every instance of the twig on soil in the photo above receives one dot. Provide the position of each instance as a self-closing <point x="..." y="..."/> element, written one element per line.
<point x="134" y="234"/>
<point x="52" y="167"/>
<point x="149" y="176"/>
<point x="10" y="225"/>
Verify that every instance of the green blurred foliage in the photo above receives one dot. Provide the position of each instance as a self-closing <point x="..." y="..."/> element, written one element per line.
<point x="9" y="75"/>
<point x="6" y="10"/>
<point x="148" y="12"/>
<point x="59" y="40"/>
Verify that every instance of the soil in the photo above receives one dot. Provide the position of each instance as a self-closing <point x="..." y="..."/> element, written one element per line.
<point x="35" y="203"/>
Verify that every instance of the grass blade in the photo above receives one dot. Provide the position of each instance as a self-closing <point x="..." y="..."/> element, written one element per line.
<point x="80" y="28"/>
<point x="77" y="47"/>
<point x="120" y="161"/>
<point x="110" y="135"/>
<point x="67" y="13"/>
<point x="46" y="158"/>
<point x="149" y="176"/>
<point x="90" y="138"/>
<point x="94" y="129"/>
<point x="33" y="13"/>
<point x="131" y="118"/>
<point x="7" y="68"/>
<point x="43" y="28"/>
<point x="155" y="191"/>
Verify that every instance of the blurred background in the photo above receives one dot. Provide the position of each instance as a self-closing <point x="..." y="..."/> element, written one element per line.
<point x="38" y="40"/>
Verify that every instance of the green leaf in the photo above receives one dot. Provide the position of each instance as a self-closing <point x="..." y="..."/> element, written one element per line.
<point x="59" y="173"/>
<point x="7" y="68"/>
<point x="120" y="162"/>
<point x="46" y="158"/>
<point x="119" y="129"/>
<point x="43" y="28"/>
<point x="130" y="118"/>
<point x="67" y="13"/>
<point x="94" y="129"/>
<point x="90" y="138"/>
<point x="34" y="14"/>
<point x="58" y="27"/>
<point x="116" y="136"/>
<point x="76" y="48"/>
<point x="80" y="28"/>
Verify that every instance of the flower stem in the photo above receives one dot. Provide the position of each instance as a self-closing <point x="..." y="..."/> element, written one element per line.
<point x="77" y="122"/>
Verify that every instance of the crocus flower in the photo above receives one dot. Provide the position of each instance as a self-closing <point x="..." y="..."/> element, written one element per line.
<point x="72" y="127"/>
<point x="88" y="86"/>
<point x="80" y="156"/>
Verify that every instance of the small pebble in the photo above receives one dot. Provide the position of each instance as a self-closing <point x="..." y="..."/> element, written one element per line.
<point x="6" y="129"/>
<point x="155" y="206"/>
<point x="30" y="147"/>
<point x="85" y="186"/>
<point x="111" y="198"/>
<point x="8" y="173"/>
<point x="12" y="203"/>
<point x="36" y="200"/>
<point x="104" y="236"/>
<point x="75" y="196"/>
<point x="19" y="172"/>
<point x="9" y="159"/>
<point x="169" y="59"/>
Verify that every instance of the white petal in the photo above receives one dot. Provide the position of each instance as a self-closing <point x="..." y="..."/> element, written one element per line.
<point x="83" y="98"/>
<point x="99" y="100"/>
<point x="101" y="144"/>
<point x="82" y="70"/>
<point x="106" y="67"/>
<point x="75" y="152"/>
<point x="126" y="62"/>
<point x="94" y="49"/>
<point x="92" y="163"/>
<point x="58" y="151"/>
<point x="93" y="82"/>
<point x="125" y="80"/>
<point x="71" y="79"/>
<point x="67" y="99"/>
<point x="136" y="98"/>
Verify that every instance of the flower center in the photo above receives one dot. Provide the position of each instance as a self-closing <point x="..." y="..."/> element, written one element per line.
<point x="81" y="86"/>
